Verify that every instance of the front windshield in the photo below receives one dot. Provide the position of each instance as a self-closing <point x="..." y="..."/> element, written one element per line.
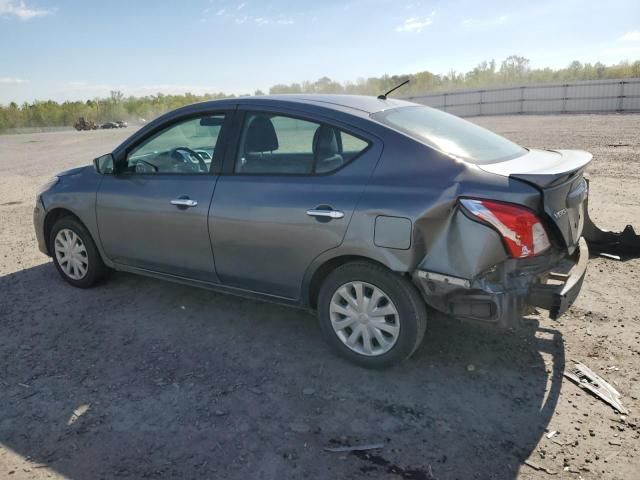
<point x="450" y="134"/>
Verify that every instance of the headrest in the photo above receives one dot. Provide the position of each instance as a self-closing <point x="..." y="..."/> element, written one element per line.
<point x="325" y="143"/>
<point x="261" y="136"/>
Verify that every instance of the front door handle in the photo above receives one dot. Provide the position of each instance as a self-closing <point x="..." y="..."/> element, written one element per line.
<point x="325" y="213"/>
<point x="184" y="202"/>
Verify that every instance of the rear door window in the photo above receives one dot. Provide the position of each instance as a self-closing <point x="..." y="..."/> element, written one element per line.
<point x="282" y="145"/>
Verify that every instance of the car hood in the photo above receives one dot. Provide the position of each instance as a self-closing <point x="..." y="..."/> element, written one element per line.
<point x="74" y="171"/>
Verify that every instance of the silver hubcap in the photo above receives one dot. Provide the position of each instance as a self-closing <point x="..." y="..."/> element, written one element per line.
<point x="71" y="254"/>
<point x="364" y="318"/>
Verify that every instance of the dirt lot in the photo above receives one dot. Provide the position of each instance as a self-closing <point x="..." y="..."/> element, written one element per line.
<point x="144" y="379"/>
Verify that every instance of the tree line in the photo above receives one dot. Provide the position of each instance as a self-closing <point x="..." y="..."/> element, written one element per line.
<point x="514" y="70"/>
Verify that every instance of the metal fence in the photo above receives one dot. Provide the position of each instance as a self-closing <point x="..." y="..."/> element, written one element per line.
<point x="595" y="96"/>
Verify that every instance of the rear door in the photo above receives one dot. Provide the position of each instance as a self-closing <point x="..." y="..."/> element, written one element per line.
<point x="287" y="197"/>
<point x="153" y="213"/>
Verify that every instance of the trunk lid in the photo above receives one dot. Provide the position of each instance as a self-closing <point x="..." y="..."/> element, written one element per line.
<point x="559" y="174"/>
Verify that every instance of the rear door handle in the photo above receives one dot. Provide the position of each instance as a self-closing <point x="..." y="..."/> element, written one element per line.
<point x="184" y="202"/>
<point x="325" y="213"/>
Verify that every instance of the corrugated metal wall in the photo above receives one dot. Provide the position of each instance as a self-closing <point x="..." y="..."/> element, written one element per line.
<point x="596" y="96"/>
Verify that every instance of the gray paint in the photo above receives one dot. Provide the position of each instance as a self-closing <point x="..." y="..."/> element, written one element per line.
<point x="465" y="249"/>
<point x="140" y="228"/>
<point x="392" y="232"/>
<point x="251" y="234"/>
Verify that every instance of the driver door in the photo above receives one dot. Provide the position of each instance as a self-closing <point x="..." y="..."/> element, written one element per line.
<point x="152" y="212"/>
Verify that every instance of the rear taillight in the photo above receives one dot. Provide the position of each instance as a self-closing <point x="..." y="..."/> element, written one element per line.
<point x="521" y="230"/>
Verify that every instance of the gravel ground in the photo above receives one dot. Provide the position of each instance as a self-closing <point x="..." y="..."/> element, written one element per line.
<point x="140" y="378"/>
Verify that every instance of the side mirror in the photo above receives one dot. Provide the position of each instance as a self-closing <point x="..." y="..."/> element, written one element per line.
<point x="104" y="164"/>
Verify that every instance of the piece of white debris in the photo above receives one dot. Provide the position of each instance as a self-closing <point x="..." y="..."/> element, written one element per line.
<point x="355" y="448"/>
<point x="588" y="380"/>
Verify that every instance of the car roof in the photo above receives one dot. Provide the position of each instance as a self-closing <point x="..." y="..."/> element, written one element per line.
<point x="367" y="104"/>
<point x="361" y="105"/>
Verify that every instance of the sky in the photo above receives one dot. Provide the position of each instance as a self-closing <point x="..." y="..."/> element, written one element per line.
<point x="80" y="49"/>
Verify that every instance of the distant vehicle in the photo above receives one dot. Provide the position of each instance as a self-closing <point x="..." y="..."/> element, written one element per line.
<point x="83" y="124"/>
<point x="365" y="210"/>
<point x="109" y="125"/>
<point x="122" y="124"/>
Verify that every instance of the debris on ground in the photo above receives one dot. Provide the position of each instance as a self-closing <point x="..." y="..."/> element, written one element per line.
<point x="610" y="244"/>
<point x="588" y="380"/>
<point x="354" y="448"/>
<point x="78" y="412"/>
<point x="552" y="434"/>
<point x="540" y="468"/>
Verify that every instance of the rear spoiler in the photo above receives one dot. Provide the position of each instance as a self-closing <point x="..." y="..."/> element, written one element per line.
<point x="623" y="244"/>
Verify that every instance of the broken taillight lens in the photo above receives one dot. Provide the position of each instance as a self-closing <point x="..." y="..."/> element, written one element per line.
<point x="521" y="230"/>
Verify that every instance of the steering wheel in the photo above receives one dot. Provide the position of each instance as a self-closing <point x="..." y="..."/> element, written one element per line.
<point x="192" y="153"/>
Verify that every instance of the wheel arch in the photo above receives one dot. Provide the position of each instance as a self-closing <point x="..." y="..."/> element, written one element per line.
<point x="318" y="272"/>
<point x="52" y="217"/>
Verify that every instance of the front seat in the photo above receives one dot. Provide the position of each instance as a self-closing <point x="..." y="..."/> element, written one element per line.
<point x="326" y="153"/>
<point x="260" y="138"/>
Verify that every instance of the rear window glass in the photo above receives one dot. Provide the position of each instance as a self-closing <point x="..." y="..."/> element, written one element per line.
<point x="450" y="134"/>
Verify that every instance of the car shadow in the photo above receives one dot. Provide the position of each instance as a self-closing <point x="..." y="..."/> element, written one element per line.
<point x="141" y="378"/>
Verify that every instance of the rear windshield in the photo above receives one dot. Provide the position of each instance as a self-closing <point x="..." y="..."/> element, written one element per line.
<point x="450" y="134"/>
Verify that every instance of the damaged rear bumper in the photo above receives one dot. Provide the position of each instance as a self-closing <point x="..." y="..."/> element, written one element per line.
<point x="510" y="289"/>
<point x="557" y="298"/>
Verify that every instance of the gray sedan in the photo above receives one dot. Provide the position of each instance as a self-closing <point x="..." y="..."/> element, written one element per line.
<point x="370" y="211"/>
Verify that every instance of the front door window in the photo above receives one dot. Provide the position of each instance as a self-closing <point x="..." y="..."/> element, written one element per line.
<point x="187" y="147"/>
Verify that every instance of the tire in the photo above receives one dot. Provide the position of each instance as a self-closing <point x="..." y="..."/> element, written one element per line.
<point x="336" y="298"/>
<point x="92" y="268"/>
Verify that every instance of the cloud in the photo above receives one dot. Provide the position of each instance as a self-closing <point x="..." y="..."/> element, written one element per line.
<point x="482" y="23"/>
<point x="415" y="24"/>
<point x="631" y="36"/>
<point x="272" y="21"/>
<point x="244" y="14"/>
<point x="19" y="9"/>
<point x="11" y="81"/>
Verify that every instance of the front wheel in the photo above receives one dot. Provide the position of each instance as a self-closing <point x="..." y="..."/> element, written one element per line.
<point x="370" y="315"/>
<point x="75" y="254"/>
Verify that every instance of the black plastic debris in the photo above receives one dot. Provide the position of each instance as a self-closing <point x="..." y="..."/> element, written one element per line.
<point x="623" y="244"/>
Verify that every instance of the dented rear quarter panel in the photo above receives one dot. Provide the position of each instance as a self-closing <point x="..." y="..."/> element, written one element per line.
<point x="416" y="182"/>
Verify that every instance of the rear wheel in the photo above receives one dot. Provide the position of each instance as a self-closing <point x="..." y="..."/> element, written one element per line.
<point x="75" y="254"/>
<point x="370" y="315"/>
